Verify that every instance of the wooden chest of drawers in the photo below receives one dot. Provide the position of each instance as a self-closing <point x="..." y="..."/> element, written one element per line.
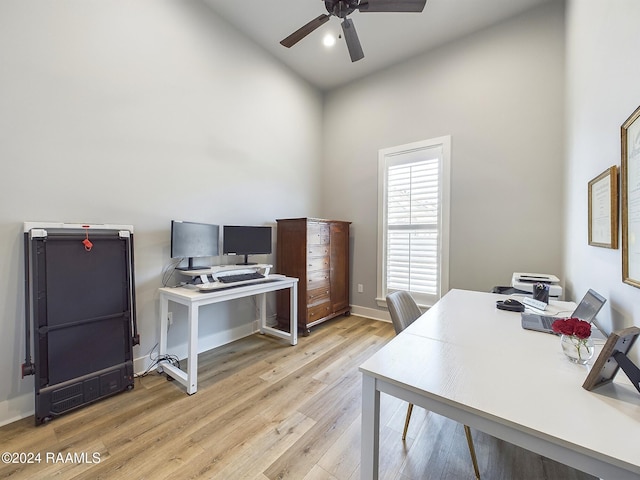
<point x="317" y="252"/>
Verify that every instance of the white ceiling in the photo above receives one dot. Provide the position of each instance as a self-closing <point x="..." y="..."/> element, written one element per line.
<point x="386" y="38"/>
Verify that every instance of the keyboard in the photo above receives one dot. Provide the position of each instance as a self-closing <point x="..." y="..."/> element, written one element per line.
<point x="215" y="286"/>
<point x="240" y="277"/>
<point x="547" y="321"/>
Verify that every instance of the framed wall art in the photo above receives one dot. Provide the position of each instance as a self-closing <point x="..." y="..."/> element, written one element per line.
<point x="603" y="209"/>
<point x="630" y="183"/>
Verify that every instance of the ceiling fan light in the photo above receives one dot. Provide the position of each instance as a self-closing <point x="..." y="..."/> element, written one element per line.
<point x="329" y="40"/>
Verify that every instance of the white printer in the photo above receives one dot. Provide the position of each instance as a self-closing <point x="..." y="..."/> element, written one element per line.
<point x="526" y="281"/>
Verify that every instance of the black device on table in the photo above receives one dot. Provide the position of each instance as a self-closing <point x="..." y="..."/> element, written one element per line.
<point x="510" y="305"/>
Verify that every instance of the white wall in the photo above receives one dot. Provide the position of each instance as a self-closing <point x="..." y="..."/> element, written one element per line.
<point x="499" y="93"/>
<point x="134" y="112"/>
<point x="603" y="40"/>
<point x="139" y="113"/>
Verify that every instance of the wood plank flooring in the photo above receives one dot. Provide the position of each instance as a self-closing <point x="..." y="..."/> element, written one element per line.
<point x="265" y="411"/>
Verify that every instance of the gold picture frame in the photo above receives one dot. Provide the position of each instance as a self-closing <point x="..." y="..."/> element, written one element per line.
<point x="630" y="183"/>
<point x="603" y="209"/>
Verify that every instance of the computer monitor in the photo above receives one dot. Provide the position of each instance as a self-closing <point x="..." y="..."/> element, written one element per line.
<point x="246" y="240"/>
<point x="192" y="240"/>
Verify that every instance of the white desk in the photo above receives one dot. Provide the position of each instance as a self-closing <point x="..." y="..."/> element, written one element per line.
<point x="194" y="299"/>
<point x="473" y="363"/>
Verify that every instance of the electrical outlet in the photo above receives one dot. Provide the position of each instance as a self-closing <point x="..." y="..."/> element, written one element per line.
<point x="360" y="288"/>
<point x="170" y="318"/>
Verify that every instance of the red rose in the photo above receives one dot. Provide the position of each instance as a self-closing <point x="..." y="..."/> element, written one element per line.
<point x="572" y="326"/>
<point x="582" y="329"/>
<point x="563" y="326"/>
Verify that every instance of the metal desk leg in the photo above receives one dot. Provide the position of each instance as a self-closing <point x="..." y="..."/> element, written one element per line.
<point x="369" y="456"/>
<point x="164" y="324"/>
<point x="263" y="311"/>
<point x="192" y="354"/>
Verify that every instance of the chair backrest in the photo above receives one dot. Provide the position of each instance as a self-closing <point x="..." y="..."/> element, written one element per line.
<point x="403" y="310"/>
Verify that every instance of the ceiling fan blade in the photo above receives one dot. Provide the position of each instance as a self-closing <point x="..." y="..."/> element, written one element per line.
<point x="299" y="34"/>
<point x="351" y="37"/>
<point x="392" y="5"/>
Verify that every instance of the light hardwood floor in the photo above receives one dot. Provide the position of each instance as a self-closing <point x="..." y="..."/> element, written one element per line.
<point x="263" y="410"/>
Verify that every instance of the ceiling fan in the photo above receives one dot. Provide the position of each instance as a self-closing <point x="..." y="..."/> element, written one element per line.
<point x="343" y="8"/>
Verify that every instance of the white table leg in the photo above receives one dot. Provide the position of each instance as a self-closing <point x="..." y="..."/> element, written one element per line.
<point x="293" y="315"/>
<point x="164" y="313"/>
<point x="369" y="457"/>
<point x="192" y="353"/>
<point x="263" y="311"/>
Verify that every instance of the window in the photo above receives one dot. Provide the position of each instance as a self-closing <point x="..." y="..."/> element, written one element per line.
<point x="413" y="223"/>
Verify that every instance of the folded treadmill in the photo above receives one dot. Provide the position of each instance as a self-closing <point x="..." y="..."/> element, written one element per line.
<point x="79" y="314"/>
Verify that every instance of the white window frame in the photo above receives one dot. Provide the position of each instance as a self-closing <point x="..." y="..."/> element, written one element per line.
<point x="385" y="157"/>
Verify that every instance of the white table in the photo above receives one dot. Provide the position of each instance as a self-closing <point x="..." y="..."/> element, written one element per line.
<point x="473" y="363"/>
<point x="194" y="299"/>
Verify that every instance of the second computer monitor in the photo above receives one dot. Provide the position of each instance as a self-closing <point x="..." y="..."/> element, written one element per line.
<point x="193" y="240"/>
<point x="246" y="240"/>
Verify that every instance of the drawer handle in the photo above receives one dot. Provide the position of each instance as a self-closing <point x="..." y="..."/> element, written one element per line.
<point x="326" y="292"/>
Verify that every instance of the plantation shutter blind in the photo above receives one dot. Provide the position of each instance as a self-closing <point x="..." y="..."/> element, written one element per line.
<point x="412" y="221"/>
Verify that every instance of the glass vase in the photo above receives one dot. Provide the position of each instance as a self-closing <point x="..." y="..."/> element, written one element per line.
<point x="578" y="350"/>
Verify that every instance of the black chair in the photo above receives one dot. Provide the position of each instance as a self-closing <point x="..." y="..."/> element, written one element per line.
<point x="404" y="311"/>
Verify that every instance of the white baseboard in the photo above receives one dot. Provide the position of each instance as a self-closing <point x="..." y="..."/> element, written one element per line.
<point x="17" y="408"/>
<point x="371" y="313"/>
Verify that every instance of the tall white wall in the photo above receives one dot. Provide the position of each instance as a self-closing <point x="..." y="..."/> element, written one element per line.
<point x="139" y="113"/>
<point x="499" y="93"/>
<point x="603" y="40"/>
